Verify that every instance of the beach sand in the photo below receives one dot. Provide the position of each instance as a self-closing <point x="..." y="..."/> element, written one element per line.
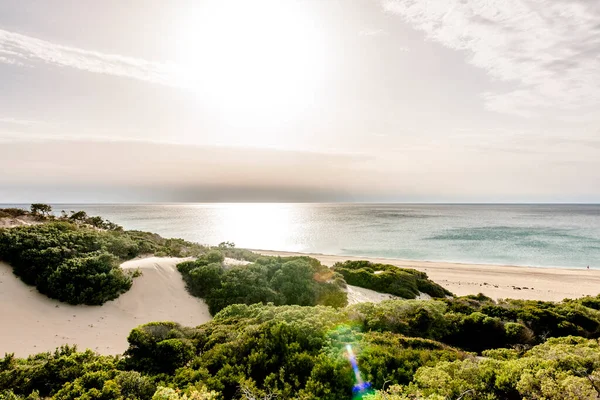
<point x="33" y="323"/>
<point x="495" y="281"/>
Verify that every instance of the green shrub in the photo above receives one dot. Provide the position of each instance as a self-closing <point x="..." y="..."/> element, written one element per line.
<point x="384" y="278"/>
<point x="134" y="385"/>
<point x="420" y="318"/>
<point x="92" y="280"/>
<point x="294" y="280"/>
<point x="477" y="332"/>
<point x="160" y="347"/>
<point x="65" y="262"/>
<point x="590" y="302"/>
<point x="12" y="212"/>
<point x="77" y="264"/>
<point x="164" y="393"/>
<point x="561" y="369"/>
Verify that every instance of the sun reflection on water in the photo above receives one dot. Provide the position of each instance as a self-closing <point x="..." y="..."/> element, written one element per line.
<point x="250" y="225"/>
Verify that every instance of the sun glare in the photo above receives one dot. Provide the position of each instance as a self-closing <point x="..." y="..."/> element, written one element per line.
<point x="253" y="224"/>
<point x="252" y="60"/>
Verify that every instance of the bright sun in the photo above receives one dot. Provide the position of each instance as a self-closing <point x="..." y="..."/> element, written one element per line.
<point x="252" y="60"/>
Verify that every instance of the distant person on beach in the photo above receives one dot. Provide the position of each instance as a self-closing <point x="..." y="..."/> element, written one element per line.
<point x="588" y="267"/>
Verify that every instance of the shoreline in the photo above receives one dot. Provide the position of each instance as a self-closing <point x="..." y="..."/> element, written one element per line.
<point x="495" y="281"/>
<point x="415" y="261"/>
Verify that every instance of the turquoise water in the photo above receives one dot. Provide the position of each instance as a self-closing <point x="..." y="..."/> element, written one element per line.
<point x="537" y="235"/>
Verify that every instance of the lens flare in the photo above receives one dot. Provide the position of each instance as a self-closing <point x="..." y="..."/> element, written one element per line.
<point x="360" y="387"/>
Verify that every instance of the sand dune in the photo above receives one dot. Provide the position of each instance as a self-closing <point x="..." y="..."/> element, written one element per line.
<point x="20" y="221"/>
<point x="495" y="281"/>
<point x="361" y="295"/>
<point x="32" y="323"/>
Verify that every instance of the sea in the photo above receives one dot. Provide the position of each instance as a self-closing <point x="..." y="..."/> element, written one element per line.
<point x="517" y="234"/>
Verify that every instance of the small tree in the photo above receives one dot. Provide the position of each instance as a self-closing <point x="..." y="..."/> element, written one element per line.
<point x="78" y="216"/>
<point x="39" y="209"/>
<point x="97" y="222"/>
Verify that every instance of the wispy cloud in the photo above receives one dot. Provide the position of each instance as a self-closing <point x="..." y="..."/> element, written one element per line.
<point x="9" y="60"/>
<point x="549" y="48"/>
<point x="20" y="49"/>
<point x="17" y="121"/>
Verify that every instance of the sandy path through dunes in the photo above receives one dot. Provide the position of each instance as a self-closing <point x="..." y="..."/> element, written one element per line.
<point x="32" y="323"/>
<point x="495" y="281"/>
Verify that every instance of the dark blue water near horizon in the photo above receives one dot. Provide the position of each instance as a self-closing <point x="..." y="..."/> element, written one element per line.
<point x="545" y="235"/>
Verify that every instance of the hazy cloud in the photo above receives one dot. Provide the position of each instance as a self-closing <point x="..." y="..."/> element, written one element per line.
<point x="20" y="49"/>
<point x="16" y="121"/>
<point x="80" y="161"/>
<point x="372" y="32"/>
<point x="549" y="48"/>
<point x="10" y="61"/>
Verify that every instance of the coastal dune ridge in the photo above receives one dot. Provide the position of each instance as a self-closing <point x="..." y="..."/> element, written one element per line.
<point x="39" y="323"/>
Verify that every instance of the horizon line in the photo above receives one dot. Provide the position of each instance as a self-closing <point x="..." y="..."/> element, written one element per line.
<point x="304" y="202"/>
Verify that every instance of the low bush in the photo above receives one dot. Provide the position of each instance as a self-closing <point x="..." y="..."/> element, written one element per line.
<point x="12" y="212"/>
<point x="398" y="348"/>
<point x="78" y="263"/>
<point x="281" y="281"/>
<point x="383" y="278"/>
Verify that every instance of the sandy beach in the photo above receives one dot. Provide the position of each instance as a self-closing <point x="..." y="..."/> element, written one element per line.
<point x="33" y="323"/>
<point x="495" y="281"/>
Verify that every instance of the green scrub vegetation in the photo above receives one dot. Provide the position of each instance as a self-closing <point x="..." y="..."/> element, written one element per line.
<point x="404" y="349"/>
<point x="75" y="259"/>
<point x="402" y="282"/>
<point x="277" y="280"/>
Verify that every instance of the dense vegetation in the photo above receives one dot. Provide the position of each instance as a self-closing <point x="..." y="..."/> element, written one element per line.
<point x="405" y="349"/>
<point x="282" y="328"/>
<point x="65" y="262"/>
<point x="566" y="368"/>
<point x="383" y="278"/>
<point x="76" y="258"/>
<point x="282" y="281"/>
<point x="287" y="351"/>
<point x="477" y="323"/>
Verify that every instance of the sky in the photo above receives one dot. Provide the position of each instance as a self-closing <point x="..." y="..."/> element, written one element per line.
<point x="300" y="101"/>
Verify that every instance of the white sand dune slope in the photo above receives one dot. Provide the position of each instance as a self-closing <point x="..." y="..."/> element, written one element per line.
<point x="33" y="323"/>
<point x="361" y="295"/>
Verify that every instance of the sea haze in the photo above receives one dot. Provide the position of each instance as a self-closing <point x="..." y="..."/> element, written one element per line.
<point x="535" y="235"/>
